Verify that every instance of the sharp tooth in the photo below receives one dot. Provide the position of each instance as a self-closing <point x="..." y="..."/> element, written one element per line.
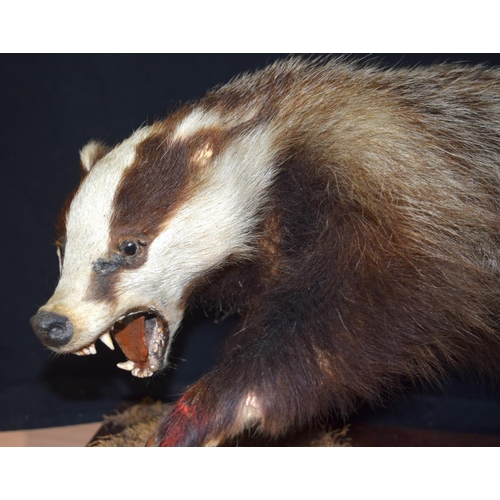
<point x="139" y="373"/>
<point x="85" y="351"/>
<point x="154" y="367"/>
<point x="107" y="341"/>
<point x="126" y="365"/>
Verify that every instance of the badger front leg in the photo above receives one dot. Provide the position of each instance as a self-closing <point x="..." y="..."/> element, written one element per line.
<point x="200" y="418"/>
<point x="272" y="382"/>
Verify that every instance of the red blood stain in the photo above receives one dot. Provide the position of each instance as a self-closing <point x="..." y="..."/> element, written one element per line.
<point x="185" y="426"/>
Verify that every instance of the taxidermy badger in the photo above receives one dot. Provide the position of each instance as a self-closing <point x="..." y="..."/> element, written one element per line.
<point x="349" y="214"/>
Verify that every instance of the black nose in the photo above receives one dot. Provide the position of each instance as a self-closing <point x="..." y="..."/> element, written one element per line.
<point x="52" y="329"/>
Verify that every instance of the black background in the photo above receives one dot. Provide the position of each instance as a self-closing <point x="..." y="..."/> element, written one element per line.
<point x="50" y="106"/>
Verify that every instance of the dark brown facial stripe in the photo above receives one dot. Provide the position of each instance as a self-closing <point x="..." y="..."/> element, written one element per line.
<point x="165" y="174"/>
<point x="105" y="271"/>
<point x="162" y="177"/>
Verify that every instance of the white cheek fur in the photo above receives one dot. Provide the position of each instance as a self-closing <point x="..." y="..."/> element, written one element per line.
<point x="215" y="222"/>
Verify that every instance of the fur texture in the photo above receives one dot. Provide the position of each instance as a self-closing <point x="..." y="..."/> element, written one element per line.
<point x="349" y="214"/>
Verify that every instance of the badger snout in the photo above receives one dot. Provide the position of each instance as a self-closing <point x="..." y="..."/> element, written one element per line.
<point x="54" y="330"/>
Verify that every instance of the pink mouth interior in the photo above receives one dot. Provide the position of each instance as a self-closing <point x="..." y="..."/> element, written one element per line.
<point x="132" y="340"/>
<point x="143" y="338"/>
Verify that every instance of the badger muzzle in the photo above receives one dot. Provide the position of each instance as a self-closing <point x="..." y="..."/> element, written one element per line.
<point x="143" y="337"/>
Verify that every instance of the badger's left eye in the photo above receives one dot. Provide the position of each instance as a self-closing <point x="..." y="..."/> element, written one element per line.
<point x="129" y="248"/>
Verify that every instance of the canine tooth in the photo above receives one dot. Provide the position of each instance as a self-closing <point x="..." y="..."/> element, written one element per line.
<point x="126" y="365"/>
<point x="107" y="341"/>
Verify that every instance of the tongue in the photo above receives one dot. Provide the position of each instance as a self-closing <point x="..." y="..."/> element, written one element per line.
<point x="132" y="340"/>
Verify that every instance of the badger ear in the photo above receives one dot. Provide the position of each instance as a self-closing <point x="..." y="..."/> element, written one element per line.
<point x="91" y="153"/>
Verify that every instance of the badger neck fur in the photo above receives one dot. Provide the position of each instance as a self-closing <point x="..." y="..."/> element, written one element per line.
<point x="349" y="214"/>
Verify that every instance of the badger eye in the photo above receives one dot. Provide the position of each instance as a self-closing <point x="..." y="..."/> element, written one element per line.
<point x="129" y="248"/>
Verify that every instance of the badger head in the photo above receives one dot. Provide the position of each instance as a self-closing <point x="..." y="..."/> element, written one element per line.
<point x="150" y="217"/>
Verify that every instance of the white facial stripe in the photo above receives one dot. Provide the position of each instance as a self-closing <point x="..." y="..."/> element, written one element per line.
<point x="88" y="229"/>
<point x="194" y="122"/>
<point x="215" y="223"/>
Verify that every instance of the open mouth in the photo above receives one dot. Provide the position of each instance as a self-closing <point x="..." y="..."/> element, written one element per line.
<point x="143" y="338"/>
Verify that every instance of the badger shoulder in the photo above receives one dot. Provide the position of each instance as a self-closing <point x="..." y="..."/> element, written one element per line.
<point x="382" y="211"/>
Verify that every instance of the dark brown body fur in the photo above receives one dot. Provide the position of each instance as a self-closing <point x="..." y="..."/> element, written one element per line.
<point x="378" y="256"/>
